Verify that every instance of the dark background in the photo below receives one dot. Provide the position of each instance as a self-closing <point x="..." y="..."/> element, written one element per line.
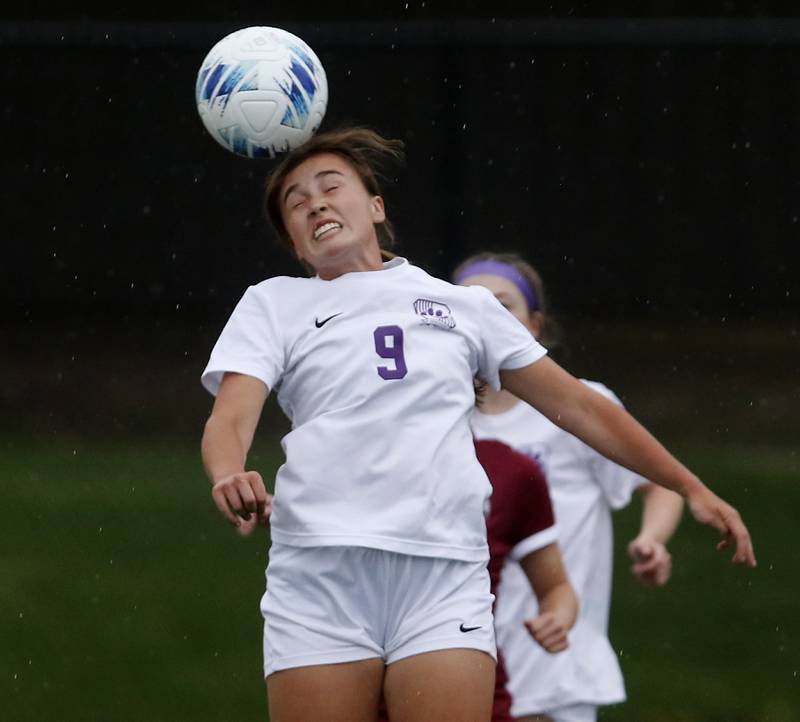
<point x="648" y="166"/>
<point x="643" y="155"/>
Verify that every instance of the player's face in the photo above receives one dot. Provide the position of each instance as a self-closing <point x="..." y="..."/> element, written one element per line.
<point x="510" y="296"/>
<point x="330" y="216"/>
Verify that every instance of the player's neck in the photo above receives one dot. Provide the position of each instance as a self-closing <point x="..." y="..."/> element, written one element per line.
<point x="497" y="402"/>
<point x="355" y="258"/>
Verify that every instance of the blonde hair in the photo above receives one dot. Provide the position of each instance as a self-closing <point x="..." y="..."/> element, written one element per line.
<point x="365" y="151"/>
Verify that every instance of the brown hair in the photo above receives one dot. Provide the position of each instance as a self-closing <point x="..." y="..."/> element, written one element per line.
<point x="548" y="334"/>
<point x="363" y="148"/>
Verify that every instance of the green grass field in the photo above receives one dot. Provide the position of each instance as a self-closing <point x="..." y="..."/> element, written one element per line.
<point x="126" y="598"/>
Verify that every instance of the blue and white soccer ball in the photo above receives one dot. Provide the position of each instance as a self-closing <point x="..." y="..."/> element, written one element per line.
<point x="261" y="91"/>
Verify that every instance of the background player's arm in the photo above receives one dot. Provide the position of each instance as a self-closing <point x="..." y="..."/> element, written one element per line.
<point x="558" y="605"/>
<point x="661" y="514"/>
<point x="227" y="437"/>
<point x="613" y="432"/>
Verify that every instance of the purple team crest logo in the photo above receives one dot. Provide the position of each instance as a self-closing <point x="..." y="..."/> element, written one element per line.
<point x="434" y="313"/>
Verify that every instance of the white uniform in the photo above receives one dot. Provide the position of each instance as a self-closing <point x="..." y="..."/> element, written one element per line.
<point x="375" y="371"/>
<point x="584" y="487"/>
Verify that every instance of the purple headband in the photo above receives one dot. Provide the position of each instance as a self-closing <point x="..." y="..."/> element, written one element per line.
<point x="504" y="270"/>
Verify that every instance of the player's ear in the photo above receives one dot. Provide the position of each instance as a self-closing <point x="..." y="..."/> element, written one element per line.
<point x="377" y="209"/>
<point x="535" y="323"/>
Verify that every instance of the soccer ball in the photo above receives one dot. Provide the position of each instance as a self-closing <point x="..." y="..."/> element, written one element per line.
<point x="261" y="91"/>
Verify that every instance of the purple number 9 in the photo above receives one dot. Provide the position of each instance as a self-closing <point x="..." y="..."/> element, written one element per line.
<point x="389" y="344"/>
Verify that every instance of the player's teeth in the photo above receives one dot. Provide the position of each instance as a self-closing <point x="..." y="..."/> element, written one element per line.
<point x="324" y="229"/>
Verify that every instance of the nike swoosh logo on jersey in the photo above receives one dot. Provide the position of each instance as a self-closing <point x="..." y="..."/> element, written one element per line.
<point x="462" y="628"/>
<point x="320" y="324"/>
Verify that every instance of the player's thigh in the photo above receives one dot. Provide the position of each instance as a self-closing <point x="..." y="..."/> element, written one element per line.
<point x="347" y="692"/>
<point x="456" y="685"/>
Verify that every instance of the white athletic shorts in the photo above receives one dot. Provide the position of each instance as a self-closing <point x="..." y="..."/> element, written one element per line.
<point x="574" y="713"/>
<point x="326" y="605"/>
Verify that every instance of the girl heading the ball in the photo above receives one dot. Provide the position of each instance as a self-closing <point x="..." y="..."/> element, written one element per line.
<point x="377" y="580"/>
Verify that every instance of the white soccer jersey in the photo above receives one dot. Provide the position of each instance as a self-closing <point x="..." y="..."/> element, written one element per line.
<point x="584" y="487"/>
<point x="375" y="371"/>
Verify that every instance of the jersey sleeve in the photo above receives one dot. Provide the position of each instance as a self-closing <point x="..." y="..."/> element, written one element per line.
<point x="506" y="343"/>
<point x="534" y="526"/>
<point x="249" y="344"/>
<point x="616" y="482"/>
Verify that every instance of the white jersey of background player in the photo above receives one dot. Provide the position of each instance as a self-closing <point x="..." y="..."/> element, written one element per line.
<point x="584" y="487"/>
<point x="377" y="583"/>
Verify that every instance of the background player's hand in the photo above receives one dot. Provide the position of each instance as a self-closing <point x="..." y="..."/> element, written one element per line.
<point x="242" y="497"/>
<point x="709" y="509"/>
<point x="549" y="631"/>
<point x="652" y="563"/>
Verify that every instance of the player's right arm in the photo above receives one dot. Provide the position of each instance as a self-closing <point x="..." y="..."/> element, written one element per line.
<point x="558" y="604"/>
<point x="227" y="438"/>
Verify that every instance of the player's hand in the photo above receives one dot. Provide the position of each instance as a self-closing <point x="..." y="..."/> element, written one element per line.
<point x="247" y="526"/>
<point x="549" y="631"/>
<point x="241" y="497"/>
<point x="652" y="563"/>
<point x="709" y="509"/>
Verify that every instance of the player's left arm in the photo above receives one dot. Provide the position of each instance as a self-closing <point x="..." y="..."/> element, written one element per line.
<point x="661" y="514"/>
<point x="613" y="432"/>
<point x="558" y="604"/>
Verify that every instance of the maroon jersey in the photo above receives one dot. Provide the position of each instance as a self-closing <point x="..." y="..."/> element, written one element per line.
<point x="520" y="520"/>
<point x="520" y="507"/>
